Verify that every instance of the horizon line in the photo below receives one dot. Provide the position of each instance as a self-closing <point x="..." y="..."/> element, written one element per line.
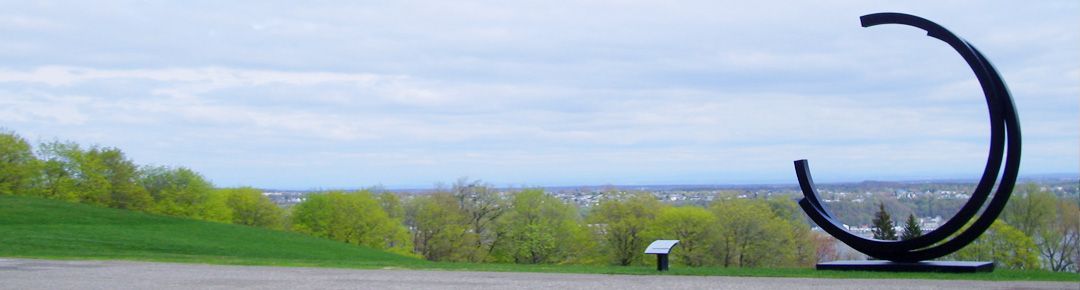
<point x="1030" y="177"/>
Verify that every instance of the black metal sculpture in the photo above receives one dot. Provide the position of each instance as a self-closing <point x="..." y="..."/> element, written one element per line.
<point x="1004" y="144"/>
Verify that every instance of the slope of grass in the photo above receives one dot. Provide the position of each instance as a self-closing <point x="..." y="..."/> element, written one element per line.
<point x="39" y="228"/>
<point x="33" y="227"/>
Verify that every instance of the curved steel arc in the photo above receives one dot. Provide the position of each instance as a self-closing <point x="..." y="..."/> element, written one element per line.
<point x="1004" y="190"/>
<point x="1004" y="124"/>
<point x="992" y="93"/>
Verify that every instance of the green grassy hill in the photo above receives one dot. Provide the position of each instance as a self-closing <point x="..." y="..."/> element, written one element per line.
<point x="34" y="227"/>
<point x="39" y="228"/>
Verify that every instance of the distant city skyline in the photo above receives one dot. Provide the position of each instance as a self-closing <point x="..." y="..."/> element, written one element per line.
<point x="413" y="93"/>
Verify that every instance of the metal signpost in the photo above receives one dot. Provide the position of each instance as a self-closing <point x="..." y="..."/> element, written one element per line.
<point x="661" y="248"/>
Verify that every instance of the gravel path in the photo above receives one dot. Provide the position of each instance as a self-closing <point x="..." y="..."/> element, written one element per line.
<point x="49" y="274"/>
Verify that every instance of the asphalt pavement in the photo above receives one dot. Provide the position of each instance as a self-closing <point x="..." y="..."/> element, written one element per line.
<point x="55" y="274"/>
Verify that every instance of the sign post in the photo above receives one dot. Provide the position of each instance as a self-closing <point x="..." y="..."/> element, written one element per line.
<point x="661" y="248"/>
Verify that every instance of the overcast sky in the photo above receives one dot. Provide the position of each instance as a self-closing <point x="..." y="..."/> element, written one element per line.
<point x="405" y="94"/>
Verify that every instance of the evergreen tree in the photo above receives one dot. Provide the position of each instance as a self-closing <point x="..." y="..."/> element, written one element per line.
<point x="882" y="226"/>
<point x="911" y="228"/>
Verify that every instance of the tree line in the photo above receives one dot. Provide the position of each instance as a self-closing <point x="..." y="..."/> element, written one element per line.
<point x="470" y="221"/>
<point x="1037" y="230"/>
<point x="104" y="176"/>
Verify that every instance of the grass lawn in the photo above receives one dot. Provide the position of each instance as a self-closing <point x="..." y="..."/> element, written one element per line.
<point x="39" y="228"/>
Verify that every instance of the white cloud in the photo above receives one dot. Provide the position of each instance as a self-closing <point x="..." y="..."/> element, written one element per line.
<point x="39" y="107"/>
<point x="217" y="77"/>
<point x="597" y="91"/>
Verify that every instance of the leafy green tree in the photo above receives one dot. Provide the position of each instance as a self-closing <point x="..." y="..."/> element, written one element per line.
<point x="541" y="228"/>
<point x="1030" y="209"/>
<point x="693" y="226"/>
<point x="911" y="228"/>
<point x="251" y="208"/>
<point x="751" y="235"/>
<point x="802" y="237"/>
<point x="440" y="228"/>
<point x="392" y="205"/>
<point x="354" y="218"/>
<point x="123" y="180"/>
<point x="482" y="206"/>
<point x="216" y="208"/>
<point x="1045" y="218"/>
<point x="184" y="193"/>
<point x="882" y="225"/>
<point x="58" y="170"/>
<point x="1007" y="246"/>
<point x="1059" y="242"/>
<point x="74" y="174"/>
<point x="97" y="175"/>
<point x="94" y="187"/>
<point x="623" y="220"/>
<point x="18" y="166"/>
<point x="786" y="208"/>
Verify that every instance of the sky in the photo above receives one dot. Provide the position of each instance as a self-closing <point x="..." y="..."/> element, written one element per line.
<point x="409" y="94"/>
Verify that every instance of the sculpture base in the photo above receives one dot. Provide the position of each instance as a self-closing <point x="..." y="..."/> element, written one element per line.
<point x="924" y="266"/>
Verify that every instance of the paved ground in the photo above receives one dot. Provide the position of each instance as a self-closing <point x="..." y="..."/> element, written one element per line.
<point x="46" y="274"/>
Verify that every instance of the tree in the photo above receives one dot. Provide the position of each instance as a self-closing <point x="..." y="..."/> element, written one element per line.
<point x="58" y="171"/>
<point x="440" y="229"/>
<point x="216" y="208"/>
<point x="354" y="218"/>
<point x="540" y="228"/>
<point x="93" y="184"/>
<point x="392" y="205"/>
<point x="123" y="180"/>
<point x="251" y="208"/>
<point x="18" y="166"/>
<point x="97" y="175"/>
<point x="751" y="235"/>
<point x="826" y="247"/>
<point x="74" y="174"/>
<point x="482" y="206"/>
<point x="1048" y="221"/>
<point x="911" y="228"/>
<point x="1007" y="246"/>
<point x="1059" y="242"/>
<point x="623" y="219"/>
<point x="786" y="208"/>
<point x="802" y="238"/>
<point x="693" y="226"/>
<point x="1030" y="209"/>
<point x="184" y="193"/>
<point x="882" y="225"/>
